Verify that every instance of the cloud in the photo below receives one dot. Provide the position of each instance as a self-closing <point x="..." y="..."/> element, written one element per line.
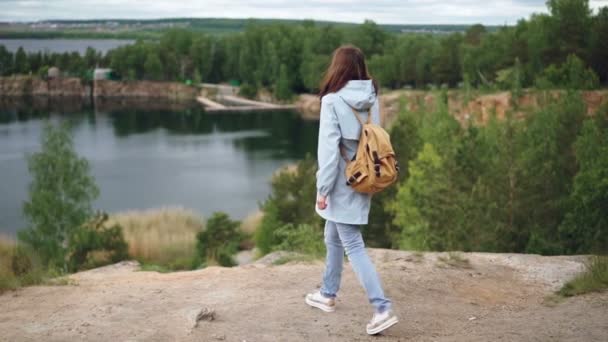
<point x="381" y="11"/>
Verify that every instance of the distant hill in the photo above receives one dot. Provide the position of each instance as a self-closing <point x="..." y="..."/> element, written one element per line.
<point x="151" y="28"/>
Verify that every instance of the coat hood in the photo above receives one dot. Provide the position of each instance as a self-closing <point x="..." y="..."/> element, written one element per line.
<point x="359" y="94"/>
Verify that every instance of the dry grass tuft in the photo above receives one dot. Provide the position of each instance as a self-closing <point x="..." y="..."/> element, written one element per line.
<point x="8" y="280"/>
<point x="165" y="236"/>
<point x="453" y="259"/>
<point x="251" y="223"/>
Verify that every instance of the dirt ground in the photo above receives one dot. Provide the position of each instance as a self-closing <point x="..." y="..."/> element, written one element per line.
<point x="486" y="297"/>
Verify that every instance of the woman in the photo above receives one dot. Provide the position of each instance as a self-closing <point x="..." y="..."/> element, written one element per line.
<point x="347" y="86"/>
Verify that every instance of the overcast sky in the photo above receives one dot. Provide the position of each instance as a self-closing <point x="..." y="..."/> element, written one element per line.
<point x="495" y="12"/>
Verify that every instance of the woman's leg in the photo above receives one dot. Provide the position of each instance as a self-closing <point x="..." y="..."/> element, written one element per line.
<point x="333" y="262"/>
<point x="351" y="238"/>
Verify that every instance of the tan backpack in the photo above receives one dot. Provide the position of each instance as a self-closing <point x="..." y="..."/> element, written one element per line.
<point x="374" y="167"/>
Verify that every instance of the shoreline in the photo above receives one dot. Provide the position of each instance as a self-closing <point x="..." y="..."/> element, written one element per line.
<point x="19" y="86"/>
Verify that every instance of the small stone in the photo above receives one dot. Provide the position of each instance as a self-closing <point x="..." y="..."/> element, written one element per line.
<point x="197" y="315"/>
<point x="219" y="337"/>
<point x="472" y="318"/>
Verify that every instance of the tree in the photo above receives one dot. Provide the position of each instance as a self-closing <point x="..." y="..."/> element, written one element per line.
<point x="6" y="61"/>
<point x="219" y="240"/>
<point x="474" y="34"/>
<point x="572" y="74"/>
<point x="282" y="89"/>
<point x="548" y="165"/>
<point x="60" y="197"/>
<point x="571" y="26"/>
<point x="585" y="226"/>
<point x="381" y="230"/>
<point x="599" y="44"/>
<point x="21" y="62"/>
<point x="153" y="67"/>
<point x="424" y="205"/>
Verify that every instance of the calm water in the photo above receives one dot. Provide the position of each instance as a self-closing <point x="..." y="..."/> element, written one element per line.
<point x="63" y="45"/>
<point x="149" y="158"/>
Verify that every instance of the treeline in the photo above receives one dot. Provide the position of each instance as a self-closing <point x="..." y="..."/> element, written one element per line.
<point x="533" y="185"/>
<point x="292" y="58"/>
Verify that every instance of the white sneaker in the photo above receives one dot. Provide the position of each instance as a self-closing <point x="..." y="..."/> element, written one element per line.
<point x="319" y="301"/>
<point x="381" y="322"/>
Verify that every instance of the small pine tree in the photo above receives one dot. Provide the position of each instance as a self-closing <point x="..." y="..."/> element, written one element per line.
<point x="218" y="242"/>
<point x="424" y="207"/>
<point x="21" y="62"/>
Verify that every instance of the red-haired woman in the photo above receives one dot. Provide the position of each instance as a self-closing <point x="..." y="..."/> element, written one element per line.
<point x="347" y="86"/>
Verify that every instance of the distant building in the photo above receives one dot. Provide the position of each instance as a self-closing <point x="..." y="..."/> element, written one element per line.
<point x="102" y="74"/>
<point x="54" y="72"/>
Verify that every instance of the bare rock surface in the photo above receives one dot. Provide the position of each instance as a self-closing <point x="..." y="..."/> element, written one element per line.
<point x="483" y="297"/>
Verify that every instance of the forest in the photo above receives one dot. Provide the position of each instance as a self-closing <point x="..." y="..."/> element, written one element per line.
<point x="532" y="185"/>
<point x="291" y="58"/>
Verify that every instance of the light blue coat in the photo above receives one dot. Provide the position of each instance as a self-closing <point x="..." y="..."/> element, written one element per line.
<point x="338" y="124"/>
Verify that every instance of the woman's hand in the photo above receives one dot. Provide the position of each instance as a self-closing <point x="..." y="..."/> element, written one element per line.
<point x="321" y="202"/>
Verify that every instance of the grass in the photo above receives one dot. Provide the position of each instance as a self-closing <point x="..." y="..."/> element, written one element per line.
<point x="165" y="237"/>
<point x="594" y="279"/>
<point x="30" y="272"/>
<point x="454" y="259"/>
<point x="8" y="280"/>
<point x="295" y="258"/>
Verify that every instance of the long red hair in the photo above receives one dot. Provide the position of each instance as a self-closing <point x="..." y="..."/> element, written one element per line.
<point x="347" y="63"/>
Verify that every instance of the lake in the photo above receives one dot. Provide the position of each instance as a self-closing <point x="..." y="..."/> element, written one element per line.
<point x="149" y="155"/>
<point x="63" y="45"/>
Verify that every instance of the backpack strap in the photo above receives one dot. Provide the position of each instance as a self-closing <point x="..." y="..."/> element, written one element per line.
<point x="369" y="115"/>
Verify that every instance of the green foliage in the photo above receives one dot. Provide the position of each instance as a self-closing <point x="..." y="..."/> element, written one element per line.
<point x="594" y="279"/>
<point x="381" y="231"/>
<point x="95" y="236"/>
<point x="585" y="226"/>
<point x="548" y="166"/>
<point x="291" y="202"/>
<point x="153" y="67"/>
<point x="481" y="57"/>
<point x="60" y="197"/>
<point x="21" y="62"/>
<point x="219" y="241"/>
<point x="59" y="208"/>
<point x="424" y="205"/>
<point x="572" y="74"/>
<point x="248" y="90"/>
<point x="304" y="238"/>
<point x="535" y="185"/>
<point x="282" y="89"/>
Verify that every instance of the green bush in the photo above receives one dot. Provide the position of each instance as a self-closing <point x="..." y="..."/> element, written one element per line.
<point x="572" y="74"/>
<point x="248" y="90"/>
<point x="302" y="238"/>
<point x="291" y="201"/>
<point x="219" y="241"/>
<point x="96" y="237"/>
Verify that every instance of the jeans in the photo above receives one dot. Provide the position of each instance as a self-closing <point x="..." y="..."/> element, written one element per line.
<point x="341" y="237"/>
